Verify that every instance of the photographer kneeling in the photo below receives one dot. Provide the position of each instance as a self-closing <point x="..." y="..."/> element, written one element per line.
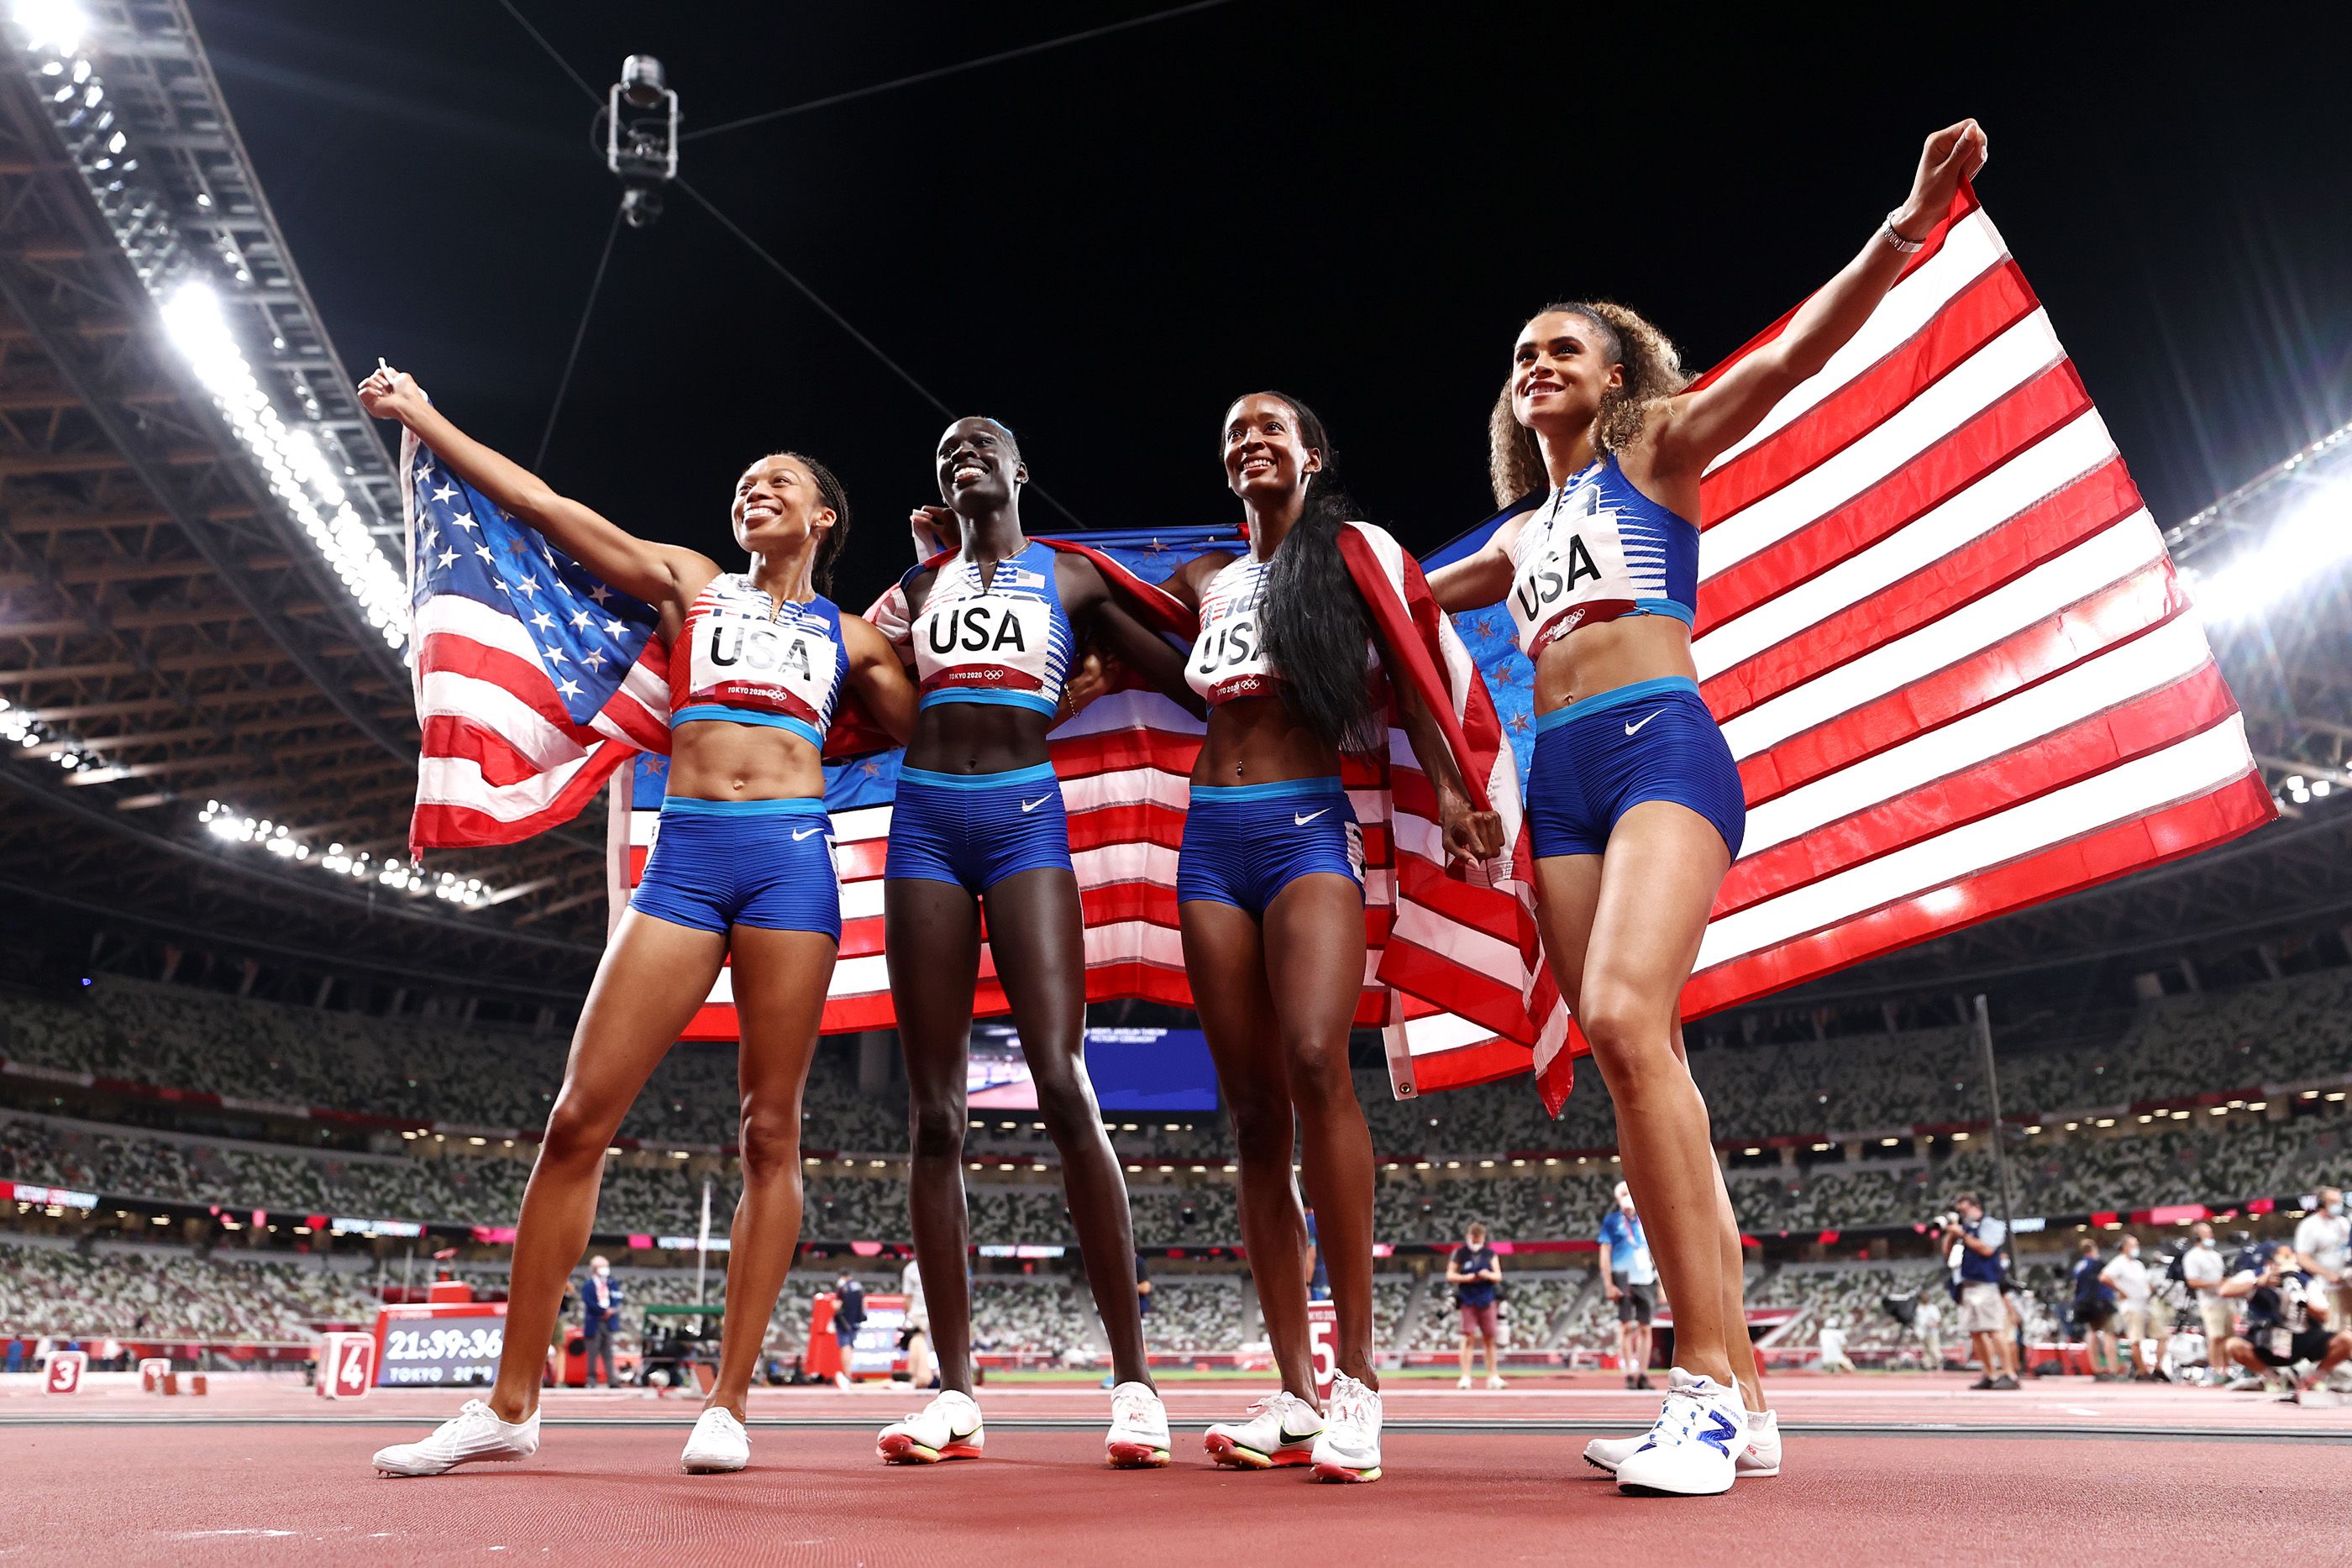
<point x="1972" y="1241"/>
<point x="2280" y="1328"/>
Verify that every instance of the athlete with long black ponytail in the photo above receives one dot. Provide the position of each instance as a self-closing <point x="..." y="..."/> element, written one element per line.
<point x="1269" y="886"/>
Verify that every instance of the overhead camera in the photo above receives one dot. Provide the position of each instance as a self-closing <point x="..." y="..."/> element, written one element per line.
<point x="641" y="125"/>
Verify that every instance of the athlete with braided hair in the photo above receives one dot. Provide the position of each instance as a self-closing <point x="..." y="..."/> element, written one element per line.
<point x="743" y="867"/>
<point x="1635" y="805"/>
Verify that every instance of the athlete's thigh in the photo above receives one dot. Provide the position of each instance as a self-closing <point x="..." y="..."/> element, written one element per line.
<point x="1658" y="882"/>
<point x="780" y="982"/>
<point x="653" y="976"/>
<point x="930" y="935"/>
<point x="1314" y="955"/>
<point x="1567" y="891"/>
<point x="1037" y="933"/>
<point x="1225" y="960"/>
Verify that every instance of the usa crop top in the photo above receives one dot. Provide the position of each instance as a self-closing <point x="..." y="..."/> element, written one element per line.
<point x="1598" y="550"/>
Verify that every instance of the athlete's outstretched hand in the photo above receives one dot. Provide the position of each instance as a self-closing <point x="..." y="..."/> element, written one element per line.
<point x="1472" y="837"/>
<point x="1952" y="154"/>
<point x="935" y="530"/>
<point x="391" y="394"/>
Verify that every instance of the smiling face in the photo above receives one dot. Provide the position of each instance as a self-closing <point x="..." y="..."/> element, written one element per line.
<point x="778" y="506"/>
<point x="1267" y="459"/>
<point x="980" y="468"/>
<point x="1562" y="367"/>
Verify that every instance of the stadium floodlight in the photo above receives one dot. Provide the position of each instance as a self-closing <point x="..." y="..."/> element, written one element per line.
<point x="289" y="458"/>
<point x="235" y="827"/>
<point x="57" y="25"/>
<point x="2309" y="540"/>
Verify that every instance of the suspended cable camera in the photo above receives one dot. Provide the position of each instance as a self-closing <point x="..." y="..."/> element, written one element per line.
<point x="641" y="138"/>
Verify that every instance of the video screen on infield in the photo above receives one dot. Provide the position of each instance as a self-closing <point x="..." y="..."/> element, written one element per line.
<point x="1143" y="1069"/>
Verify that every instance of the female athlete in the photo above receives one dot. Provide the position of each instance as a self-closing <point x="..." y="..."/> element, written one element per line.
<point x="742" y="866"/>
<point x="1633" y="802"/>
<point x="978" y="823"/>
<point x="1269" y="884"/>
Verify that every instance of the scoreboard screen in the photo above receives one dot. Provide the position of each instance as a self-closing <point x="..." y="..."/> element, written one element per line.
<point x="439" y="1347"/>
<point x="1135" y="1070"/>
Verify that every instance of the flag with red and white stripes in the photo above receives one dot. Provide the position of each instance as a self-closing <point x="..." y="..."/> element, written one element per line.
<point x="534" y="680"/>
<point x="1944" y="640"/>
<point x="1451" y="952"/>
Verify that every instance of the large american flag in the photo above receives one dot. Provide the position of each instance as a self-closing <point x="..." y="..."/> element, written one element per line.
<point x="534" y="681"/>
<point x="1944" y="640"/>
<point x="1448" y="957"/>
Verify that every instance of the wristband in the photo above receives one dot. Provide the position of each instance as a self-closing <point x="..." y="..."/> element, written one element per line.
<point x="1894" y="236"/>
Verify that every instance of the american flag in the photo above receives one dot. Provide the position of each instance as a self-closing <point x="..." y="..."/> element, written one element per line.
<point x="534" y="680"/>
<point x="1944" y="640"/>
<point x="1448" y="957"/>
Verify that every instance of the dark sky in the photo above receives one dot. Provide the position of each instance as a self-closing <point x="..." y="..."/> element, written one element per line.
<point x="1103" y="244"/>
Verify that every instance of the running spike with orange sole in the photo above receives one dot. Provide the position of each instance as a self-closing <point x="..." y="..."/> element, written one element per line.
<point x="898" y="1448"/>
<point x="1234" y="1456"/>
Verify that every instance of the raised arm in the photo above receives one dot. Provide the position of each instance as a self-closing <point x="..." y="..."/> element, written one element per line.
<point x="879" y="677"/>
<point x="661" y="574"/>
<point x="1698" y="426"/>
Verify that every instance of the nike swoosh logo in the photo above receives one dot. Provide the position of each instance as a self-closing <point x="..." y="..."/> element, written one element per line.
<point x="1632" y="727"/>
<point x="1298" y="820"/>
<point x="1028" y="805"/>
<point x="800" y="834"/>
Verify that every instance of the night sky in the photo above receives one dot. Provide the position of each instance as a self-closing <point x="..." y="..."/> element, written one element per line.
<point x="1103" y="244"/>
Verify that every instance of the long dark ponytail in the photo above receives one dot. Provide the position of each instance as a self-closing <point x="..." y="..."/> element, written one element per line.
<point x="1315" y="621"/>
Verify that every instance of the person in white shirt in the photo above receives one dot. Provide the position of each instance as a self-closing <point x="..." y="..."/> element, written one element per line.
<point x="915" y="1334"/>
<point x="2129" y="1278"/>
<point x="1929" y="1321"/>
<point x="2322" y="1241"/>
<point x="2202" y="1270"/>
<point x="1833" y="1357"/>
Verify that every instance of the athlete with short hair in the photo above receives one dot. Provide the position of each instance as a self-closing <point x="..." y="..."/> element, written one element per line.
<point x="1635" y="803"/>
<point x="978" y="824"/>
<point x="743" y="867"/>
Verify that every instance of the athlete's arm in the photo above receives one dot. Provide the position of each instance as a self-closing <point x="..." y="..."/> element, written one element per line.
<point x="1471" y="836"/>
<point x="1698" y="426"/>
<point x="1481" y="578"/>
<point x="658" y="574"/>
<point x="1090" y="603"/>
<point x="879" y="678"/>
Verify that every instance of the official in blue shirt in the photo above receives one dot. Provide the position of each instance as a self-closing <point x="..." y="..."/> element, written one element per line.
<point x="1476" y="1276"/>
<point x="1631" y="1280"/>
<point x="849" y="1317"/>
<point x="599" y="1316"/>
<point x="1972" y="1245"/>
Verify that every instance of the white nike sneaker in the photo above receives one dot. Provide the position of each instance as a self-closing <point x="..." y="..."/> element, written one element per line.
<point x="718" y="1444"/>
<point x="475" y="1437"/>
<point x="947" y="1428"/>
<point x="1350" y="1448"/>
<point x="1761" y="1457"/>
<point x="1494" y="1380"/>
<point x="1689" y="1452"/>
<point x="1278" y="1432"/>
<point x="1139" y="1428"/>
<point x="1462" y="1381"/>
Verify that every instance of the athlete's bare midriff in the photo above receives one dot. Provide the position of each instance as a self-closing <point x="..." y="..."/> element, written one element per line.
<point x="978" y="737"/>
<point x="1255" y="740"/>
<point x="1595" y="659"/>
<point x="710" y="760"/>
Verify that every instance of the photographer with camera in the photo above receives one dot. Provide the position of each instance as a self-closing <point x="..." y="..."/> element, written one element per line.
<point x="1971" y="1244"/>
<point x="2281" y="1327"/>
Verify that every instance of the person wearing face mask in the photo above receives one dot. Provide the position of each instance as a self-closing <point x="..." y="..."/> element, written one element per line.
<point x="2135" y="1291"/>
<point x="742" y="875"/>
<point x="600" y="1315"/>
<point x="2323" y="1238"/>
<point x="1634" y="804"/>
<point x="1630" y="1279"/>
<point x="2281" y="1329"/>
<point x="2202" y="1270"/>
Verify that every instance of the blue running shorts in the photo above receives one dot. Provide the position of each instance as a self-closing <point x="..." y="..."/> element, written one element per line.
<point x="1597" y="759"/>
<point x="1244" y="843"/>
<point x="762" y="863"/>
<point x="977" y="829"/>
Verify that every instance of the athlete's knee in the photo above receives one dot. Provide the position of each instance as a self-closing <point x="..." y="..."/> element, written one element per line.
<point x="935" y="1127"/>
<point x="1066" y="1101"/>
<point x="578" y="1131"/>
<point x="770" y="1142"/>
<point x="1263" y="1132"/>
<point x="1320" y="1079"/>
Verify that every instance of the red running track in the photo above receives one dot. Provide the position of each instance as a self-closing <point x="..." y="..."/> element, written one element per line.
<point x="191" y="1496"/>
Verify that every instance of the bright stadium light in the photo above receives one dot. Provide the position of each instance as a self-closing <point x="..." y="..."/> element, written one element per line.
<point x="235" y="827"/>
<point x="2305" y="543"/>
<point x="297" y="470"/>
<point x="51" y="24"/>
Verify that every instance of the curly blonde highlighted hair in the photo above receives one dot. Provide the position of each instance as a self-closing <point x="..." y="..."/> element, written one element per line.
<point x="1653" y="369"/>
